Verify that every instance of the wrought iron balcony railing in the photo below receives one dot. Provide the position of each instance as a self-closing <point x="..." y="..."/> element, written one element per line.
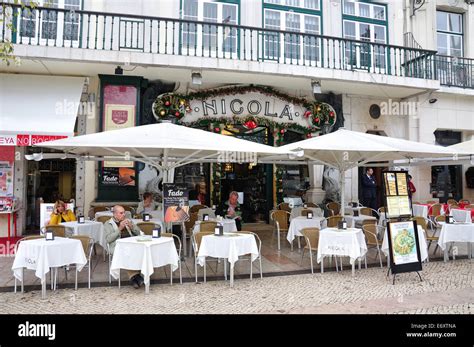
<point x="120" y="32"/>
<point x="455" y="71"/>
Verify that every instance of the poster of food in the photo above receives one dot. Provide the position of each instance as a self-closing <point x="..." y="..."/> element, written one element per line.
<point x="390" y="184"/>
<point x="6" y="179"/>
<point x="402" y="183"/>
<point x="176" y="202"/>
<point x="403" y="243"/>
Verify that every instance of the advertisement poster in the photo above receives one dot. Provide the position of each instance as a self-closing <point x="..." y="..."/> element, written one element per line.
<point x="6" y="179"/>
<point x="47" y="209"/>
<point x="176" y="202"/>
<point x="119" y="117"/>
<point x="390" y="184"/>
<point x="118" y="176"/>
<point x="403" y="243"/>
<point x="402" y="183"/>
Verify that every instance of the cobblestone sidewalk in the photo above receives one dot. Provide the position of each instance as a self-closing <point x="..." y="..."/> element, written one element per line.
<point x="446" y="288"/>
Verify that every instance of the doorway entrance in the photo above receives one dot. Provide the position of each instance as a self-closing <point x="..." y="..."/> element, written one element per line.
<point x="446" y="181"/>
<point x="48" y="180"/>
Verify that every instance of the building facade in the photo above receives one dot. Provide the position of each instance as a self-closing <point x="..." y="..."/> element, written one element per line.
<point x="396" y="68"/>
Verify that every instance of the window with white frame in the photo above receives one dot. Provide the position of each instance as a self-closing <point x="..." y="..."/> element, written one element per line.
<point x="364" y="21"/>
<point x="449" y="33"/>
<point x="207" y="37"/>
<point x="51" y="24"/>
<point x="292" y="46"/>
<point x="306" y="4"/>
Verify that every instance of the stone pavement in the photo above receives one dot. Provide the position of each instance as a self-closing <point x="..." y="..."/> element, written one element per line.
<point x="446" y="288"/>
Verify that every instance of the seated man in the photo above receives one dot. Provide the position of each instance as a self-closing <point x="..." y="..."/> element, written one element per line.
<point x="147" y="205"/>
<point x="231" y="209"/>
<point x="119" y="227"/>
<point x="61" y="214"/>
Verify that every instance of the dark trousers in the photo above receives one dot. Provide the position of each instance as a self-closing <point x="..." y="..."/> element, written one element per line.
<point x="238" y="223"/>
<point x="370" y="202"/>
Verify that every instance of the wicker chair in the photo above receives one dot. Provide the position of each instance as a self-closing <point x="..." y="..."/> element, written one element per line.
<point x="58" y="230"/>
<point x="196" y="208"/>
<point x="179" y="249"/>
<point x="464" y="201"/>
<point x="304" y="213"/>
<point x="196" y="241"/>
<point x="334" y="208"/>
<point x="26" y="238"/>
<point x="207" y="227"/>
<point x="284" y="206"/>
<point x="147" y="227"/>
<point x="280" y="219"/>
<point x="100" y="209"/>
<point x="102" y="219"/>
<point x="370" y="232"/>
<point x="311" y="236"/>
<point x="436" y="210"/>
<point x="332" y="221"/>
<point x="452" y="202"/>
<point x="87" y="245"/>
<point x="249" y="257"/>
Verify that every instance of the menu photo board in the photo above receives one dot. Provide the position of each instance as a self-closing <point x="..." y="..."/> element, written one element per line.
<point x="404" y="247"/>
<point x="396" y="194"/>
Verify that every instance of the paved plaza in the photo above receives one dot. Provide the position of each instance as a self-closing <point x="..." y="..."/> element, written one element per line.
<point x="446" y="288"/>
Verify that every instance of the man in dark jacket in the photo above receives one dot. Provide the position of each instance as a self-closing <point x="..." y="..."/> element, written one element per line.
<point x="369" y="189"/>
<point x="231" y="209"/>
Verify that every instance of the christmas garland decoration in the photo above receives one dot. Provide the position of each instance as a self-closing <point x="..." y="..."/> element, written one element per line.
<point x="175" y="106"/>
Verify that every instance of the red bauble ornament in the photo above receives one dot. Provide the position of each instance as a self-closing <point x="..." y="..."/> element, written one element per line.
<point x="177" y="114"/>
<point x="316" y="120"/>
<point x="331" y="114"/>
<point x="282" y="131"/>
<point x="217" y="130"/>
<point x="309" y="135"/>
<point x="167" y="103"/>
<point x="250" y="124"/>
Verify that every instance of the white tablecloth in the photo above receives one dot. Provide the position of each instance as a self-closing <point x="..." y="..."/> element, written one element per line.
<point x="41" y="255"/>
<point x="463" y="216"/>
<point x="421" y="239"/>
<point x="455" y="233"/>
<point x="299" y="223"/>
<point x="350" y="243"/>
<point x="131" y="254"/>
<point x="229" y="246"/>
<point x="296" y="212"/>
<point x="228" y="224"/>
<point x="88" y="228"/>
<point x="353" y="222"/>
<point x="420" y="210"/>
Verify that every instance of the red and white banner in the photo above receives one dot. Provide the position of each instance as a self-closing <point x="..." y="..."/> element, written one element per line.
<point x="27" y="140"/>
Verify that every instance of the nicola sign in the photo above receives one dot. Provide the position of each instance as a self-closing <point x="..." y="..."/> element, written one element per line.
<point x="248" y="104"/>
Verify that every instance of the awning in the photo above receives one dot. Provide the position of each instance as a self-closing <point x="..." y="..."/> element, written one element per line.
<point x="35" y="108"/>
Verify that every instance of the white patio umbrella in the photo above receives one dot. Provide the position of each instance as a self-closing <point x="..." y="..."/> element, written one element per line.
<point x="466" y="147"/>
<point x="163" y="145"/>
<point x="346" y="149"/>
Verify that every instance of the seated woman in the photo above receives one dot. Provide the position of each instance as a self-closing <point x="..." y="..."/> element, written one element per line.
<point x="147" y="205"/>
<point x="61" y="214"/>
<point x="231" y="209"/>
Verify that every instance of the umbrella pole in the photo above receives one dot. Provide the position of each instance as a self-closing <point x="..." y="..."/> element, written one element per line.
<point x="343" y="184"/>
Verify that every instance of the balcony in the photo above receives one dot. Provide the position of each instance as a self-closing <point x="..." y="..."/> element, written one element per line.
<point x="455" y="71"/>
<point x="112" y="32"/>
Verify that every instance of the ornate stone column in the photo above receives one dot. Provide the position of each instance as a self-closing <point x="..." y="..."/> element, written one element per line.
<point x="315" y="194"/>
